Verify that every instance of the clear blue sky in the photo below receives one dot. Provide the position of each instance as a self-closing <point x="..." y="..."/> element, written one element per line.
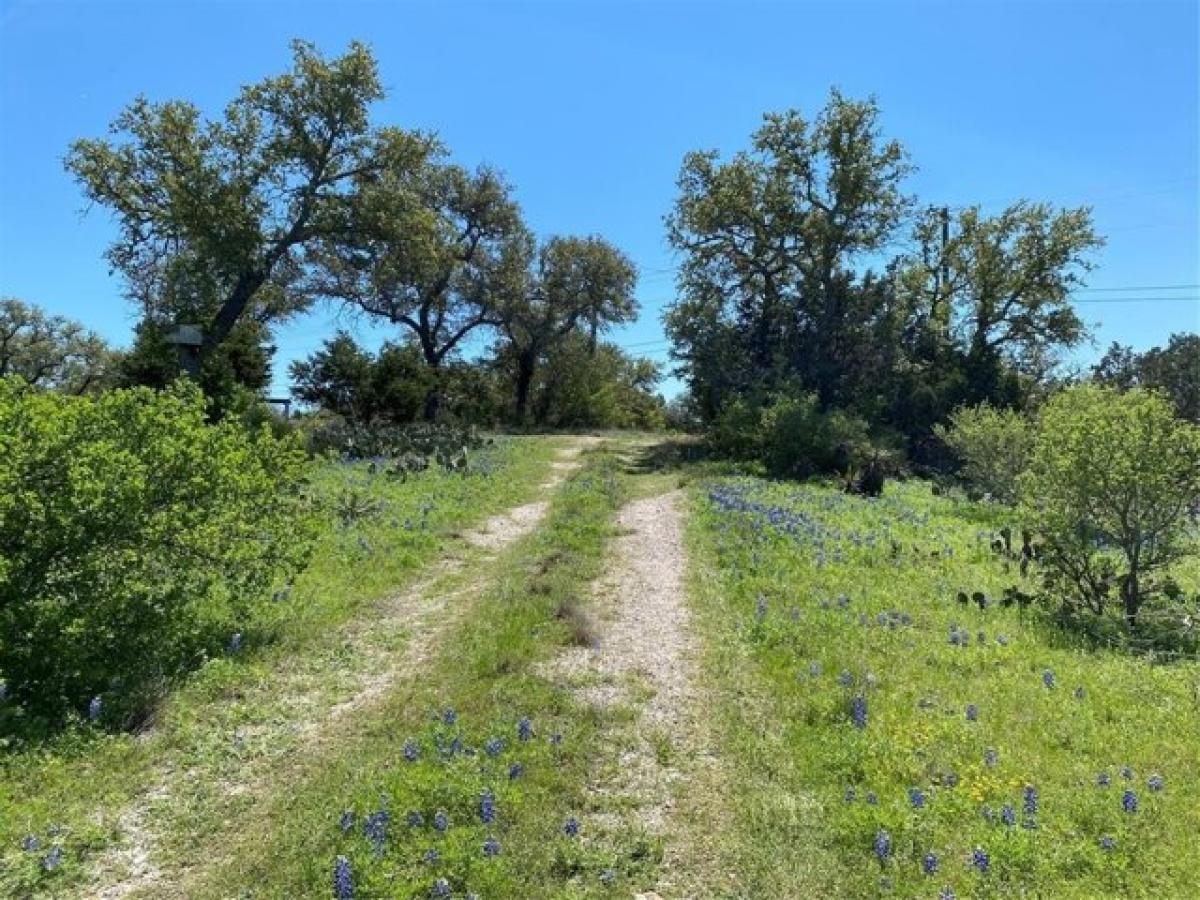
<point x="589" y="108"/>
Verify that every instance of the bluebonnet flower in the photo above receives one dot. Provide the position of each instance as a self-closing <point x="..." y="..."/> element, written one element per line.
<point x="1080" y="693"/>
<point x="431" y="856"/>
<point x="760" y="608"/>
<point x="375" y="828"/>
<point x="916" y="797"/>
<point x="950" y="779"/>
<point x="1002" y="640"/>
<point x="235" y="642"/>
<point x="980" y="859"/>
<point x="608" y="876"/>
<point x="487" y="807"/>
<point x="411" y="753"/>
<point x="885" y="883"/>
<point x="883" y="845"/>
<point x="990" y="757"/>
<point x="441" y="821"/>
<point x="494" y="747"/>
<point x="972" y="712"/>
<point x="872" y="799"/>
<point x="1129" y="802"/>
<point x="571" y="827"/>
<point x="846" y="679"/>
<point x="1107" y="842"/>
<point x="441" y="888"/>
<point x="95" y="708"/>
<point x="858" y="711"/>
<point x="456" y="746"/>
<point x="343" y="879"/>
<point x="1031" y="800"/>
<point x="1008" y="816"/>
<point x="1103" y="780"/>
<point x="524" y="729"/>
<point x="1155" y="783"/>
<point x="881" y="619"/>
<point x="556" y="739"/>
<point x="491" y="847"/>
<point x="930" y="863"/>
<point x="988" y="814"/>
<point x="1048" y="678"/>
<point x="31" y="842"/>
<point x="450" y="716"/>
<point x="53" y="859"/>
<point x="794" y="613"/>
<point x="843" y="601"/>
<point x="814" y="669"/>
<point x="415" y="819"/>
<point x="1127" y="773"/>
<point x="347" y="820"/>
<point x="850" y="795"/>
<point x="982" y="638"/>
<point x="515" y="771"/>
<point x="947" y="894"/>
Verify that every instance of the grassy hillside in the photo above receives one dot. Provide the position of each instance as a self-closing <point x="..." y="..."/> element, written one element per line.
<point x="883" y="738"/>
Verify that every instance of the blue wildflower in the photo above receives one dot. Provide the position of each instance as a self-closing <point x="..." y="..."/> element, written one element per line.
<point x="846" y="679"/>
<point x="1008" y="815"/>
<point x="235" y="642"/>
<point x="916" y="797"/>
<point x="524" y="729"/>
<point x="411" y="753"/>
<point x="571" y="827"/>
<point x="972" y="712"/>
<point x="1080" y="693"/>
<point x="491" y="847"/>
<point x="494" y="747"/>
<point x="31" y="842"/>
<point x="343" y="879"/>
<point x="990" y="757"/>
<point x="95" y="708"/>
<point x="556" y="739"/>
<point x="883" y="845"/>
<point x="850" y="795"/>
<point x="1002" y="640"/>
<point x="415" y="819"/>
<point x="441" y="821"/>
<point x="1155" y="783"/>
<point x="760" y="608"/>
<point x="930" y="863"/>
<point x="53" y="859"/>
<point x="980" y="859"/>
<point x="1129" y="802"/>
<point x="375" y="828"/>
<point x="814" y="669"/>
<point x="947" y="894"/>
<point x="487" y="807"/>
<point x="431" y="856"/>
<point x="950" y="779"/>
<point x="1048" y="678"/>
<point x="858" y="711"/>
<point x="987" y="812"/>
<point x="1127" y="773"/>
<point x="515" y="771"/>
<point x="1031" y="800"/>
<point x="1107" y="842"/>
<point x="450" y="716"/>
<point x="347" y="820"/>
<point x="872" y="799"/>
<point x="441" y="888"/>
<point x="608" y="876"/>
<point x="1103" y="780"/>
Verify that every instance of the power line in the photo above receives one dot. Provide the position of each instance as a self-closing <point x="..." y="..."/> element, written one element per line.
<point x="1143" y="287"/>
<point x="1136" y="299"/>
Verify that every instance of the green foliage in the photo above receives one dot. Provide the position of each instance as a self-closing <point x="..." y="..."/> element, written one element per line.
<point x="1111" y="488"/>
<point x="1174" y="370"/>
<point x="51" y="351"/>
<point x="342" y="378"/>
<point x="579" y="387"/>
<point x="792" y="436"/>
<point x="134" y="540"/>
<point x="994" y="446"/>
<point x="402" y="449"/>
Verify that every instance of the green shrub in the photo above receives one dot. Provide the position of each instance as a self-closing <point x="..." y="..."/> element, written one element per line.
<point x="791" y="435"/>
<point x="1109" y="488"/>
<point x="993" y="445"/>
<point x="134" y="540"/>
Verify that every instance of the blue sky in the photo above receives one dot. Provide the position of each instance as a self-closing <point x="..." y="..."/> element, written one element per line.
<point x="589" y="108"/>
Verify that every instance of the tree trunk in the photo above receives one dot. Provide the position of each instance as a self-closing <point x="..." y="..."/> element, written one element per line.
<point x="1131" y="595"/>
<point x="526" y="366"/>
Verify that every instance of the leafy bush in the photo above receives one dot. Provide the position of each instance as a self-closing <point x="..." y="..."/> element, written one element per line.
<point x="405" y="448"/>
<point x="994" y="446"/>
<point x="1109" y="488"/>
<point x="134" y="539"/>
<point x="792" y="436"/>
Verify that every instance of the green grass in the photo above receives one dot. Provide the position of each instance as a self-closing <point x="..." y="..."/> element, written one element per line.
<point x="488" y="673"/>
<point x="790" y="753"/>
<point x="70" y="791"/>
